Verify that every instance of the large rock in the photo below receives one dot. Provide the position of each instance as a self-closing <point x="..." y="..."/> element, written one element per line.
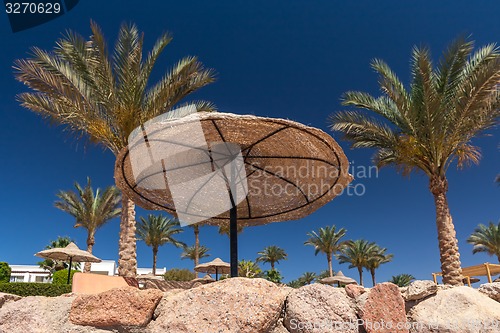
<point x="382" y="309"/>
<point x="126" y="306"/>
<point x="492" y="290"/>
<point x="457" y="310"/>
<point x="38" y="314"/>
<point x="420" y="289"/>
<point x="320" y="308"/>
<point x="4" y="298"/>
<point x="231" y="305"/>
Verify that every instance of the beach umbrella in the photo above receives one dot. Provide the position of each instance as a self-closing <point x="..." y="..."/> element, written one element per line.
<point x="339" y="278"/>
<point x="216" y="266"/>
<point x="221" y="168"/>
<point x="69" y="253"/>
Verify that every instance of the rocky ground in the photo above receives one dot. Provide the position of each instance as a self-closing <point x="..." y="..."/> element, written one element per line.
<point x="256" y="305"/>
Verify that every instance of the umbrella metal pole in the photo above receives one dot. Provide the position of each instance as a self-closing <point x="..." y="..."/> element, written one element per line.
<point x="216" y="273"/>
<point x="69" y="268"/>
<point x="233" y="240"/>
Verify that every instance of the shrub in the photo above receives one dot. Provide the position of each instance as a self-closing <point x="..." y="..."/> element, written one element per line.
<point x="34" y="289"/>
<point x="61" y="277"/>
<point x="176" y="274"/>
<point x="273" y="275"/>
<point x="4" y="272"/>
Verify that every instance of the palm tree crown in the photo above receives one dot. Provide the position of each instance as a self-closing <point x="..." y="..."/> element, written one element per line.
<point x="357" y="253"/>
<point x="430" y="126"/>
<point x="105" y="97"/>
<point x="402" y="280"/>
<point x="377" y="258"/>
<point x="272" y="254"/>
<point x="156" y="231"/>
<point x="486" y="239"/>
<point x="190" y="252"/>
<point x="326" y="241"/>
<point x="90" y="210"/>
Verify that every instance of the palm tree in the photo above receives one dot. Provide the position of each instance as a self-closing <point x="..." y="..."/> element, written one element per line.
<point x="308" y="278"/>
<point x="224" y="229"/>
<point x="104" y="97"/>
<point x="90" y="210"/>
<point x="431" y="126"/>
<point x="156" y="231"/>
<point x="402" y="280"/>
<point x="326" y="241"/>
<point x="194" y="254"/>
<point x="249" y="269"/>
<point x="271" y="254"/>
<point x="377" y="258"/>
<point x="324" y="274"/>
<point x="486" y="239"/>
<point x="357" y="253"/>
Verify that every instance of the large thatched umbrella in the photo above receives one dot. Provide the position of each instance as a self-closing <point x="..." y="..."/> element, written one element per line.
<point x="216" y="266"/>
<point x="219" y="168"/>
<point x="69" y="253"/>
<point x="339" y="278"/>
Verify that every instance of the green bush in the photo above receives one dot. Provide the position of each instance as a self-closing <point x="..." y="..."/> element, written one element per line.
<point x="34" y="289"/>
<point x="273" y="275"/>
<point x="176" y="274"/>
<point x="61" y="277"/>
<point x="4" y="272"/>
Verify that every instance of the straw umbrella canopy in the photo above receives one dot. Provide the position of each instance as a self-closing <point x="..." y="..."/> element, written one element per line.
<point x="71" y="252"/>
<point x="339" y="278"/>
<point x="215" y="266"/>
<point x="221" y="168"/>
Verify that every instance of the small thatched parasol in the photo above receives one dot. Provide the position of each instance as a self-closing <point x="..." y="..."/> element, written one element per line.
<point x="215" y="266"/>
<point x="69" y="253"/>
<point x="219" y="168"/>
<point x="339" y="278"/>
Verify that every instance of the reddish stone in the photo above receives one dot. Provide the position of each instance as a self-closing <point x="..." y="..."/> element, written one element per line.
<point x="382" y="309"/>
<point x="353" y="290"/>
<point x="126" y="306"/>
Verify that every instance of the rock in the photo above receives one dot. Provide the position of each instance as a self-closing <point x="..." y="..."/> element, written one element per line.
<point x="382" y="309"/>
<point x="279" y="327"/>
<point x="492" y="290"/>
<point x="420" y="289"/>
<point x="126" y="306"/>
<point x="4" y="298"/>
<point x="456" y="310"/>
<point x="354" y="290"/>
<point x="320" y="308"/>
<point x="231" y="305"/>
<point x="38" y="314"/>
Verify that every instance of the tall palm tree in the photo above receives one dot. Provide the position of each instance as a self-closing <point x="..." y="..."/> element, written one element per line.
<point x="194" y="254"/>
<point x="196" y="229"/>
<point x="377" y="258"/>
<point x="104" y="97"/>
<point x="357" y="253"/>
<point x="90" y="210"/>
<point x="307" y="278"/>
<point x="430" y="126"/>
<point x="326" y="241"/>
<point x="271" y="254"/>
<point x="486" y="239"/>
<point x="156" y="231"/>
<point x="402" y="280"/>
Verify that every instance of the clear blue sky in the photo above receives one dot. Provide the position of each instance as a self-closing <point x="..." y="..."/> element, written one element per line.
<point x="289" y="59"/>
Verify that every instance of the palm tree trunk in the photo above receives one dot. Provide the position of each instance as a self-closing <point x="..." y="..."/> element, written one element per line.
<point x="329" y="258"/>
<point x="272" y="265"/>
<point x="448" y="244"/>
<point x="127" y="262"/>
<point x="155" y="255"/>
<point x="372" y="272"/>
<point x="90" y="245"/>
<point x="196" y="246"/>
<point x="360" y="271"/>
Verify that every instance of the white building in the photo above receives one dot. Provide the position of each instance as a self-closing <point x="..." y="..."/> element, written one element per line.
<point x="33" y="273"/>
